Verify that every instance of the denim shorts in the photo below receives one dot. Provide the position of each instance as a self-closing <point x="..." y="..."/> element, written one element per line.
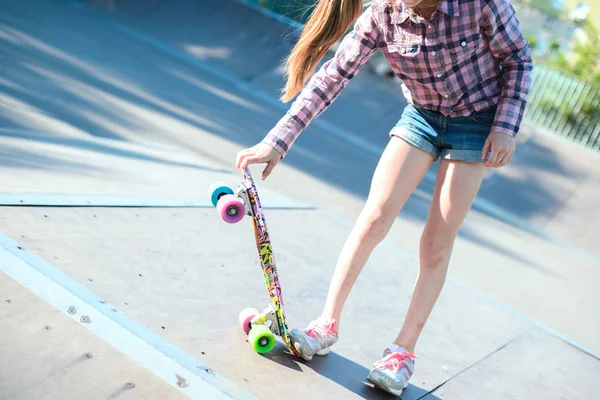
<point x="458" y="138"/>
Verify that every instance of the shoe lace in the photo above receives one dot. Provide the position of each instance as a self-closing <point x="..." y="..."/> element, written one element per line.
<point x="394" y="361"/>
<point x="321" y="329"/>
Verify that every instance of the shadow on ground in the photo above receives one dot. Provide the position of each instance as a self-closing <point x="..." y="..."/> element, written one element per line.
<point x="344" y="372"/>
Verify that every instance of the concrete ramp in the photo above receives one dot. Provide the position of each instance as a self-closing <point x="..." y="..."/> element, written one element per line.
<point x="185" y="275"/>
<point x="118" y="279"/>
<point x="50" y="356"/>
<point x="221" y="34"/>
<point x="552" y="184"/>
<point x="50" y="169"/>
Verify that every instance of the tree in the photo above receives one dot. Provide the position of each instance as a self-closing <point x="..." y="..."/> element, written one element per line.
<point x="533" y="41"/>
<point x="585" y="64"/>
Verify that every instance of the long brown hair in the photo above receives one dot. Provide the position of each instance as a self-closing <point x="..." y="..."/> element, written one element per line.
<point x="327" y="24"/>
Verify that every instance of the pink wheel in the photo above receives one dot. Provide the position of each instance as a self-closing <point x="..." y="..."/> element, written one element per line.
<point x="231" y="209"/>
<point x="245" y="317"/>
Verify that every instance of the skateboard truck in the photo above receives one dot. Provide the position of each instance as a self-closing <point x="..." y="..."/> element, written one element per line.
<point x="268" y="318"/>
<point x="242" y="193"/>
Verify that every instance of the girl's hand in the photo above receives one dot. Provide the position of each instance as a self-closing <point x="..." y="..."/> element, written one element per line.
<point x="259" y="154"/>
<point x="502" y="149"/>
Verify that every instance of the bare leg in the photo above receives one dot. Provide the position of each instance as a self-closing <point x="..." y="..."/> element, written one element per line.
<point x="399" y="171"/>
<point x="456" y="186"/>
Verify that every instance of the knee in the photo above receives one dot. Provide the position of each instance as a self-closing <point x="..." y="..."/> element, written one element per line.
<point x="436" y="247"/>
<point x="375" y="222"/>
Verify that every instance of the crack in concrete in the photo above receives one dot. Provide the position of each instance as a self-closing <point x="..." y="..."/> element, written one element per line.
<point x="470" y="366"/>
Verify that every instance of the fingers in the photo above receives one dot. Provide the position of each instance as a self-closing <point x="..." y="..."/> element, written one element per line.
<point x="486" y="148"/>
<point x="503" y="158"/>
<point x="259" y="154"/>
<point x="506" y="158"/>
<point x="256" y="155"/>
<point x="501" y="149"/>
<point x="247" y="157"/>
<point x="240" y="158"/>
<point x="493" y="158"/>
<point x="268" y="169"/>
<point x="499" y="157"/>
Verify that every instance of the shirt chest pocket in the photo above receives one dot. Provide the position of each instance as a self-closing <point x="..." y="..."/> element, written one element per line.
<point x="405" y="57"/>
<point x="460" y="49"/>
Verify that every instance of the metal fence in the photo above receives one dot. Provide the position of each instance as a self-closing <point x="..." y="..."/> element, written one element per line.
<point x="565" y="106"/>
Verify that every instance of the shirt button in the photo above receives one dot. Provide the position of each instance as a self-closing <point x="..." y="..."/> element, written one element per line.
<point x="446" y="95"/>
<point x="439" y="75"/>
<point x="463" y="44"/>
<point x="403" y="50"/>
<point x="433" y="53"/>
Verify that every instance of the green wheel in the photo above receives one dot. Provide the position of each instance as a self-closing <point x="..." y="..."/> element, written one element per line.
<point x="262" y="339"/>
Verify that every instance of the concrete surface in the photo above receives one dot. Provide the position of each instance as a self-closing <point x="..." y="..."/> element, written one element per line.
<point x="51" y="356"/>
<point x="503" y="376"/>
<point x="91" y="106"/>
<point x="167" y="282"/>
<point x="42" y="167"/>
<point x="552" y="184"/>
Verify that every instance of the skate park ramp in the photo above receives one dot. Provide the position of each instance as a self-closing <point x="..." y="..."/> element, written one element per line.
<point x="118" y="280"/>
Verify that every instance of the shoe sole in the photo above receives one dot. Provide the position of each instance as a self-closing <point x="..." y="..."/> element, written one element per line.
<point x="381" y="381"/>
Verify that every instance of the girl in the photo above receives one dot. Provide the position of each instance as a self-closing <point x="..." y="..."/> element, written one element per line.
<point x="465" y="68"/>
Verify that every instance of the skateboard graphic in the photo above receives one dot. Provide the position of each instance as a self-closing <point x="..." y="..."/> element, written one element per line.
<point x="260" y="326"/>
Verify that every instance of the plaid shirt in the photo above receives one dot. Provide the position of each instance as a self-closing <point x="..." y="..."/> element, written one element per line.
<point x="470" y="55"/>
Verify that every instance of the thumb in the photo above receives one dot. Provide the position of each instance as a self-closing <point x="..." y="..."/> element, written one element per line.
<point x="267" y="171"/>
<point x="486" y="148"/>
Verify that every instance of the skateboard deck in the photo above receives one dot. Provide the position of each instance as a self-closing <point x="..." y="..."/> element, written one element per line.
<point x="260" y="326"/>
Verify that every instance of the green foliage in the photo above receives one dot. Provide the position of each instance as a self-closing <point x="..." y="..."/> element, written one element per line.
<point x="533" y="41"/>
<point x="585" y="64"/>
<point x="554" y="46"/>
<point x="543" y="5"/>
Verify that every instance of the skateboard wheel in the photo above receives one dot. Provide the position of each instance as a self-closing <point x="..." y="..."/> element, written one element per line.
<point x="230" y="208"/>
<point x="262" y="339"/>
<point x="217" y="190"/>
<point x="245" y="317"/>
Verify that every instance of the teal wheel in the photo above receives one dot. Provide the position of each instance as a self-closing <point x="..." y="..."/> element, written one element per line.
<point x="218" y="190"/>
<point x="262" y="339"/>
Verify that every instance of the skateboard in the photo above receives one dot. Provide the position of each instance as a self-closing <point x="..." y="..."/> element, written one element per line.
<point x="260" y="326"/>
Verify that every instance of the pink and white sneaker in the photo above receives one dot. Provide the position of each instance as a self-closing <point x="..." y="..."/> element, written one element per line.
<point x="317" y="338"/>
<point x="393" y="371"/>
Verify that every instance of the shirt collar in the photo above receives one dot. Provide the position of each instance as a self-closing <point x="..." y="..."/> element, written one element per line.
<point x="449" y="7"/>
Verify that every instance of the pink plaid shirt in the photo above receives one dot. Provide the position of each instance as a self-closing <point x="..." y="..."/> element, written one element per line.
<point x="470" y="55"/>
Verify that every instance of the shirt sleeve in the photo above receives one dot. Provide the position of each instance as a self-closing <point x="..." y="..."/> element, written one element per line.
<point x="327" y="83"/>
<point x="508" y="45"/>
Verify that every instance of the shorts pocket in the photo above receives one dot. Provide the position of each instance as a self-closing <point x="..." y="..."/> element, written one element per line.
<point x="485" y="117"/>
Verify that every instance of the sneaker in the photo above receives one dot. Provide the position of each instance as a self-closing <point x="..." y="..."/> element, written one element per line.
<point x="393" y="371"/>
<point x="317" y="338"/>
